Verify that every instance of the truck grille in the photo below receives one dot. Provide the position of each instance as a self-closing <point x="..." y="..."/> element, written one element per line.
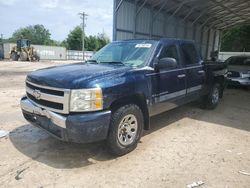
<point x="233" y="74"/>
<point x="53" y="99"/>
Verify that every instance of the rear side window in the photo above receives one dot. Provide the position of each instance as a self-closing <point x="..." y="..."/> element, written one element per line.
<point x="170" y="51"/>
<point x="190" y="54"/>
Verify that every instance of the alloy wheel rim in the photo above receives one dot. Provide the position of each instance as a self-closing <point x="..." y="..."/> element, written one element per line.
<point x="127" y="129"/>
<point x="215" y="96"/>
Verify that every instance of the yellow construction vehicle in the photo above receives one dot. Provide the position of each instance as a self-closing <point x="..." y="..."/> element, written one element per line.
<point x="23" y="51"/>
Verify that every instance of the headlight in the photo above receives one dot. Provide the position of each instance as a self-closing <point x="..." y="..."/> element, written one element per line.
<point x="86" y="100"/>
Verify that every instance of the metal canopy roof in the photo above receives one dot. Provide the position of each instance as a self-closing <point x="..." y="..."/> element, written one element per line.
<point x="216" y="14"/>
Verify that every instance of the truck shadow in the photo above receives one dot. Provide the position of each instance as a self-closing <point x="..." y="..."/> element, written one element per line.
<point x="38" y="145"/>
<point x="233" y="111"/>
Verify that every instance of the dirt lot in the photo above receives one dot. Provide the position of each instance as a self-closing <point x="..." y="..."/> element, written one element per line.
<point x="185" y="145"/>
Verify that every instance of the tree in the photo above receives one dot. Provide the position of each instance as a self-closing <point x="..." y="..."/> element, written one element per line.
<point x="91" y="43"/>
<point x="74" y="39"/>
<point x="37" y="34"/>
<point x="236" y="39"/>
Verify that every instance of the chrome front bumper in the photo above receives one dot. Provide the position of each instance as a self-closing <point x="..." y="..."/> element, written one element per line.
<point x="240" y="81"/>
<point x="57" y="119"/>
<point x="78" y="128"/>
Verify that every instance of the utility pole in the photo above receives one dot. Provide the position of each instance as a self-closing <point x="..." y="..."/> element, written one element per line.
<point x="83" y="16"/>
<point x="2" y="36"/>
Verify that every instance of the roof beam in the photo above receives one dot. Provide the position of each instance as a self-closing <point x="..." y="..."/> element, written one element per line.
<point x="234" y="24"/>
<point x="225" y="15"/>
<point x="234" y="5"/>
<point x="228" y="9"/>
<point x="178" y="7"/>
<point x="188" y="14"/>
<point x="141" y="7"/>
<point x="201" y="14"/>
<point x="162" y="7"/>
<point x="215" y="23"/>
<point x="119" y="5"/>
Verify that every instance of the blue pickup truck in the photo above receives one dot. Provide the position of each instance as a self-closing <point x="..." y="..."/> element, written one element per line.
<point x="112" y="96"/>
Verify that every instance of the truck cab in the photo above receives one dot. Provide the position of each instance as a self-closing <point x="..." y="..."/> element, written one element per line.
<point x="112" y="96"/>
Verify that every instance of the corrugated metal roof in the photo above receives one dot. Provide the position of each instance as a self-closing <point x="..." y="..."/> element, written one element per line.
<point x="217" y="14"/>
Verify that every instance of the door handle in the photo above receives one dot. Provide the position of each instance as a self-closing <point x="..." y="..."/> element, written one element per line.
<point x="181" y="76"/>
<point x="201" y="72"/>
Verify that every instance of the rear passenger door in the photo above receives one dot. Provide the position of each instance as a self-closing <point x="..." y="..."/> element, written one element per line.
<point x="194" y="67"/>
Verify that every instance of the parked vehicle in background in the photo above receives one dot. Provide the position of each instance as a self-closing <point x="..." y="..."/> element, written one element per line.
<point x="239" y="70"/>
<point x="113" y="95"/>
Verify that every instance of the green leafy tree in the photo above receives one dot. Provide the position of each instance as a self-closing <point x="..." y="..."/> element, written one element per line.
<point x="37" y="34"/>
<point x="74" y="39"/>
<point x="91" y="43"/>
<point x="236" y="39"/>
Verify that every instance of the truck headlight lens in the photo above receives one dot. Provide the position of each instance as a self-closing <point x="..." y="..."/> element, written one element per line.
<point x="86" y="100"/>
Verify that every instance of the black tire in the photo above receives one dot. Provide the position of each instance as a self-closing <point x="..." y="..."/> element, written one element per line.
<point x="211" y="101"/>
<point x="23" y="56"/>
<point x="121" y="145"/>
<point x="14" y="56"/>
<point x="36" y="56"/>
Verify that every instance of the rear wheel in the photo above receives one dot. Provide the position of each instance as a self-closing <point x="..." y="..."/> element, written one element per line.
<point x="211" y="101"/>
<point x="125" y="129"/>
<point x="14" y="56"/>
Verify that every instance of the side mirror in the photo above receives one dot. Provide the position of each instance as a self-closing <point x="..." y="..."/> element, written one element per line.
<point x="166" y="63"/>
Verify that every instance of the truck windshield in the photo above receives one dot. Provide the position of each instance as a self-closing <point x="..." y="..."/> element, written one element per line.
<point x="133" y="53"/>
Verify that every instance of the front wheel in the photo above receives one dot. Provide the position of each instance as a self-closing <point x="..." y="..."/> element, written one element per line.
<point x="211" y="101"/>
<point x="125" y="129"/>
<point x="14" y="56"/>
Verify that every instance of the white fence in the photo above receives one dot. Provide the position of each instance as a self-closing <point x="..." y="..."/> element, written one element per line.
<point x="50" y="52"/>
<point x="78" y="55"/>
<point x="46" y="52"/>
<point x="225" y="55"/>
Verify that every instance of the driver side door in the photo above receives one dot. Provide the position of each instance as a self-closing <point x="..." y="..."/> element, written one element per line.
<point x="168" y="84"/>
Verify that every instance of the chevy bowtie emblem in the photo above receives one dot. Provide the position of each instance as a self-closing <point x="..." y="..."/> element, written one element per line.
<point x="37" y="94"/>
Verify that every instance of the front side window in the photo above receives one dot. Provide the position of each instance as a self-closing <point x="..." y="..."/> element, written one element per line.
<point x="171" y="52"/>
<point x="132" y="53"/>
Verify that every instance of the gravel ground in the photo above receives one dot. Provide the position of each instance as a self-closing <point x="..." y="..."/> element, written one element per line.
<point x="186" y="144"/>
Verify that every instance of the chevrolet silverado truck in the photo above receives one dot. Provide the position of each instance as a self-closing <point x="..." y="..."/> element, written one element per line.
<point x="112" y="96"/>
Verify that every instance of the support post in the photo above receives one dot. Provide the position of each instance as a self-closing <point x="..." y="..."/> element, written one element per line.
<point x="83" y="17"/>
<point x="135" y="18"/>
<point x="207" y="45"/>
<point x="215" y="32"/>
<point x="115" y="21"/>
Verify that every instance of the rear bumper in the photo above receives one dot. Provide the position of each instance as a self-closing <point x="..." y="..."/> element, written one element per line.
<point x="78" y="128"/>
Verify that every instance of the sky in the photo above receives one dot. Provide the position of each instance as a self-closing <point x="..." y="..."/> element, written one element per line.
<point x="59" y="16"/>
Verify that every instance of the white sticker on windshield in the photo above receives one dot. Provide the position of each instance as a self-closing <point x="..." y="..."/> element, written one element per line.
<point x="143" y="45"/>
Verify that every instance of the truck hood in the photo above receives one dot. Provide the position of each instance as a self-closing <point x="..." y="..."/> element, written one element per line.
<point x="75" y="76"/>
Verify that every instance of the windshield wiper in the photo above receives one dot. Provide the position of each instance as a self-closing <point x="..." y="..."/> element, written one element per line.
<point x="93" y="61"/>
<point x="114" y="62"/>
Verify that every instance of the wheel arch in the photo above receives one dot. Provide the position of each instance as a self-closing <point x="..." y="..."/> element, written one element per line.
<point x="137" y="99"/>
